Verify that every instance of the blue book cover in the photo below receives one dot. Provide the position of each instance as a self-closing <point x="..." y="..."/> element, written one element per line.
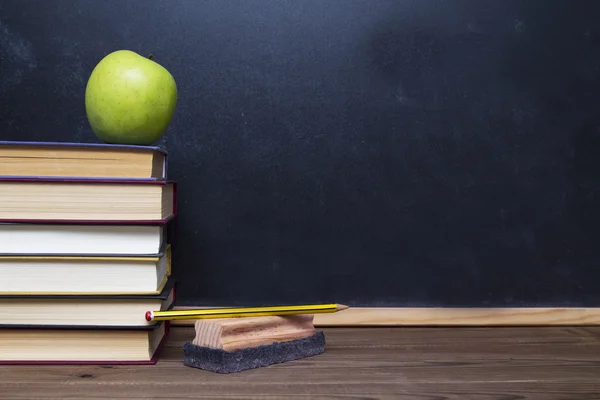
<point x="90" y="145"/>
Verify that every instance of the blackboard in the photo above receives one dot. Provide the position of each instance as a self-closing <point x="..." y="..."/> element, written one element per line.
<point x="372" y="153"/>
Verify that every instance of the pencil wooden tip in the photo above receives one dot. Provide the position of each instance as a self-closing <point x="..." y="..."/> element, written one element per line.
<point x="341" y="307"/>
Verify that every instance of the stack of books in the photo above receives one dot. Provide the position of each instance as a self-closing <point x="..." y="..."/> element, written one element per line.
<point x="84" y="252"/>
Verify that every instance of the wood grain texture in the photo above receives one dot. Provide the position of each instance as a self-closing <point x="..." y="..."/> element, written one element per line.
<point x="546" y="363"/>
<point x="452" y="317"/>
<point x="238" y="333"/>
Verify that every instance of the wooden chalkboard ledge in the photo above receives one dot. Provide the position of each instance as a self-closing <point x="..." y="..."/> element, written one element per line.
<point x="453" y="317"/>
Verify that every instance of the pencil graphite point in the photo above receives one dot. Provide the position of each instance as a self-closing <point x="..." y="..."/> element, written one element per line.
<point x="341" y="307"/>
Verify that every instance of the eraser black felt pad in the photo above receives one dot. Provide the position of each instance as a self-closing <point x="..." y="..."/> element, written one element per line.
<point x="225" y="362"/>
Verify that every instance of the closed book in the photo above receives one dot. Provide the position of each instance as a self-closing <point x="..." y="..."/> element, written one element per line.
<point x="84" y="310"/>
<point x="80" y="239"/>
<point x="84" y="160"/>
<point x="52" y="200"/>
<point x="84" y="275"/>
<point x="95" y="345"/>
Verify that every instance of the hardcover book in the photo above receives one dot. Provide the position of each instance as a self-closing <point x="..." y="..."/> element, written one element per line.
<point x="28" y="275"/>
<point x="82" y="345"/>
<point x="85" y="201"/>
<point x="85" y="160"/>
<point x="77" y="239"/>
<point x="99" y="311"/>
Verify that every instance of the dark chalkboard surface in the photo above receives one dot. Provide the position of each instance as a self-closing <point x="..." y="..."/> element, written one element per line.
<point x="372" y="153"/>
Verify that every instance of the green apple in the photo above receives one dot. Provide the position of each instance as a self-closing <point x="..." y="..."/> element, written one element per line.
<point x="130" y="99"/>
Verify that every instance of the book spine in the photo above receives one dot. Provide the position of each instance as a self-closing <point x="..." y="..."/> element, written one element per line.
<point x="166" y="166"/>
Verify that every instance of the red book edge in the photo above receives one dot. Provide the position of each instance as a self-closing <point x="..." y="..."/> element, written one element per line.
<point x="175" y="198"/>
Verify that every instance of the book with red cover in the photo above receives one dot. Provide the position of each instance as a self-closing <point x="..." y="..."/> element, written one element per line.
<point x="20" y="200"/>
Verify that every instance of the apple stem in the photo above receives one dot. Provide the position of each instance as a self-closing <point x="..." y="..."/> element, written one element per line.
<point x="150" y="56"/>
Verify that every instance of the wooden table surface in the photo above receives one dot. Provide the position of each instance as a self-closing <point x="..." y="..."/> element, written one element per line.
<point x="359" y="363"/>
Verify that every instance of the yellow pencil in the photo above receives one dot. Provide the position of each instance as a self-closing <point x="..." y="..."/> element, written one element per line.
<point x="243" y="312"/>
